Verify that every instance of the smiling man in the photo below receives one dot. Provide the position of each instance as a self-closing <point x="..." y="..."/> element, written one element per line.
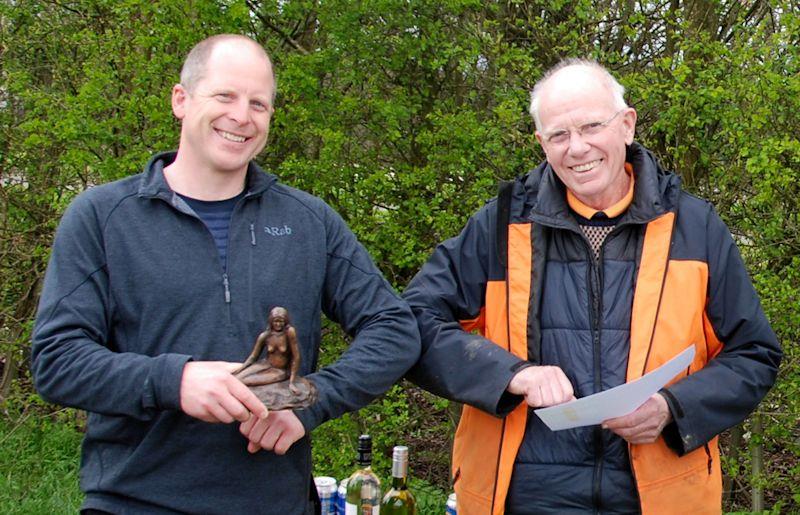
<point x="586" y="273"/>
<point x="158" y="286"/>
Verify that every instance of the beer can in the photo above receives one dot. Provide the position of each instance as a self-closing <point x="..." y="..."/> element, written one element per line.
<point x="450" y="507"/>
<point x="326" y="488"/>
<point x="341" y="495"/>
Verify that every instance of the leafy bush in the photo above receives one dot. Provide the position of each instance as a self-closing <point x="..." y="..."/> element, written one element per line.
<point x="403" y="115"/>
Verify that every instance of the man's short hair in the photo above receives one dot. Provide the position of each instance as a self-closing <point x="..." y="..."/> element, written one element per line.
<point x="617" y="90"/>
<point x="194" y="66"/>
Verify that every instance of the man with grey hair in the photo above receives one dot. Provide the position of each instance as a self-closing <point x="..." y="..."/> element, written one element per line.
<point x="584" y="274"/>
<point x="157" y="287"/>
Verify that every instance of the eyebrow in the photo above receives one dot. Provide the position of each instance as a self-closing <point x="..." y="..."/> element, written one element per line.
<point x="578" y="125"/>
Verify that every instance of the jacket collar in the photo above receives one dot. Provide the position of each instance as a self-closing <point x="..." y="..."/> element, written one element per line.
<point x="655" y="193"/>
<point x="154" y="185"/>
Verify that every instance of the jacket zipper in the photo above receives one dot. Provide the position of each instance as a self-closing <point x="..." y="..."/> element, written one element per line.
<point x="226" y="284"/>
<point x="225" y="279"/>
<point x="172" y="201"/>
<point x="250" y="297"/>
<point x="596" y="311"/>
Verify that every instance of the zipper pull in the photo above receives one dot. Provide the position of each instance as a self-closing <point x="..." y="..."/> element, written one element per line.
<point x="227" y="289"/>
<point x="252" y="234"/>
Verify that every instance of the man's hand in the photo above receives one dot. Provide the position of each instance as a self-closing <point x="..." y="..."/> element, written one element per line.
<point x="643" y="425"/>
<point x="542" y="386"/>
<point x="211" y="393"/>
<point x="275" y="433"/>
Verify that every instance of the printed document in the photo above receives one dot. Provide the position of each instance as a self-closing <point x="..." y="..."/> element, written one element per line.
<point x="615" y="402"/>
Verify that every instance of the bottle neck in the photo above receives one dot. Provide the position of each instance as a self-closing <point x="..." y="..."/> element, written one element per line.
<point x="365" y="457"/>
<point x="400" y="483"/>
<point x="399" y="472"/>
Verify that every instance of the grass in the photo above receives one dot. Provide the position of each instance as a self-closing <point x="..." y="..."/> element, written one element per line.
<point x="39" y="457"/>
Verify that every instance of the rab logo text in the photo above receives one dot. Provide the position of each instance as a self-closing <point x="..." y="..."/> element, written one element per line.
<point x="278" y="231"/>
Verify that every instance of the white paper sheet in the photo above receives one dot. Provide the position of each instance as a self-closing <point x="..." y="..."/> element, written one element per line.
<point x="615" y="402"/>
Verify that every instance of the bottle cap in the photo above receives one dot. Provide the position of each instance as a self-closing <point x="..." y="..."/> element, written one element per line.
<point x="399" y="461"/>
<point x="365" y="443"/>
<point x="364" y="450"/>
<point x="400" y="452"/>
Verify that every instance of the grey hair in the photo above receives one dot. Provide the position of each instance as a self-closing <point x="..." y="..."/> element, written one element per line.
<point x="617" y="90"/>
<point x="194" y="66"/>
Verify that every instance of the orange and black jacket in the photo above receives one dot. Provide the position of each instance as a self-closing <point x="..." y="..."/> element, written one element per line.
<point x="520" y="286"/>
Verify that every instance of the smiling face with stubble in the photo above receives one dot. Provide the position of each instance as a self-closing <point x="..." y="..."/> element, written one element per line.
<point x="225" y="116"/>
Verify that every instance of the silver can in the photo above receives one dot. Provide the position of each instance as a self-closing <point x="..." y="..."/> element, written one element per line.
<point x="326" y="488"/>
<point x="341" y="495"/>
<point x="450" y="507"/>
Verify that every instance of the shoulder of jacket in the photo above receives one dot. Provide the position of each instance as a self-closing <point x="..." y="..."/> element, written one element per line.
<point x="488" y="206"/>
<point x="485" y="214"/>
<point x="105" y="197"/>
<point x="691" y="204"/>
<point x="301" y="200"/>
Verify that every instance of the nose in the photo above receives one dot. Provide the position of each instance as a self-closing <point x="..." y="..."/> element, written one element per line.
<point x="577" y="143"/>
<point x="240" y="111"/>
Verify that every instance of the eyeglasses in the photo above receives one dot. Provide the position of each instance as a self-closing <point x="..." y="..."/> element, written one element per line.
<point x="561" y="137"/>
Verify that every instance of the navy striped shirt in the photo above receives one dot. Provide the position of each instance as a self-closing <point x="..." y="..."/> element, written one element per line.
<point x="216" y="214"/>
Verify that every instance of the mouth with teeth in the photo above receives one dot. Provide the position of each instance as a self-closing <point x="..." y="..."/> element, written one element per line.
<point x="231" y="137"/>
<point x="587" y="166"/>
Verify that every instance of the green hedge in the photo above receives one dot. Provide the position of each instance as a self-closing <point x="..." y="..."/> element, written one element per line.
<point x="403" y="115"/>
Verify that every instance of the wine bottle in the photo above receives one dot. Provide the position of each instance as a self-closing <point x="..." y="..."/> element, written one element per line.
<point x="363" y="486"/>
<point x="399" y="500"/>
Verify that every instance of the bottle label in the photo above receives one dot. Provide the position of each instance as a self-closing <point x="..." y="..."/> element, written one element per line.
<point x="364" y="509"/>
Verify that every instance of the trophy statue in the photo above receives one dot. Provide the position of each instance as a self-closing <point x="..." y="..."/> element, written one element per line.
<point x="274" y="379"/>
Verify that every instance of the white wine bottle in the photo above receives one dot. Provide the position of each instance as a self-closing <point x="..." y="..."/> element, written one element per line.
<point x="363" y="486"/>
<point x="399" y="500"/>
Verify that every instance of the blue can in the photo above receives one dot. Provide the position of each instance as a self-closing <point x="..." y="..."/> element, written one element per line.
<point x="341" y="495"/>
<point x="326" y="488"/>
<point x="450" y="507"/>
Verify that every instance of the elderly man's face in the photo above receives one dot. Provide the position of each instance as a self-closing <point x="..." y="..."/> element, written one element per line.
<point x="225" y="119"/>
<point x="584" y="134"/>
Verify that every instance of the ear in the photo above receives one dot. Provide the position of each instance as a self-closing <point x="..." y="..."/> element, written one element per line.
<point x="179" y="98"/>
<point x="629" y="124"/>
<point x="540" y="139"/>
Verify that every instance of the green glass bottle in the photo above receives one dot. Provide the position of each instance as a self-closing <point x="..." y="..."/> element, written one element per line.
<point x="399" y="500"/>
<point x="363" y="486"/>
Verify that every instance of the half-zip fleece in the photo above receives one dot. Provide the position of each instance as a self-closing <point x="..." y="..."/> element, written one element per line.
<point x="135" y="289"/>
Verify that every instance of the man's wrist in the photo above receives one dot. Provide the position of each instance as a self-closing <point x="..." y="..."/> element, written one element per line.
<point x="661" y="399"/>
<point x="517" y="389"/>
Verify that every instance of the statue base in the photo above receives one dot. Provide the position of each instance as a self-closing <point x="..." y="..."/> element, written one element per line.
<point x="278" y="396"/>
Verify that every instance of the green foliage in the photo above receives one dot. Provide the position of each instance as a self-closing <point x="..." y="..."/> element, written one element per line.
<point x="40" y="456"/>
<point x="403" y="115"/>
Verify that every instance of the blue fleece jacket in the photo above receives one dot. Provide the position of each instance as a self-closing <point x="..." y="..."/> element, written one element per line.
<point x="135" y="289"/>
